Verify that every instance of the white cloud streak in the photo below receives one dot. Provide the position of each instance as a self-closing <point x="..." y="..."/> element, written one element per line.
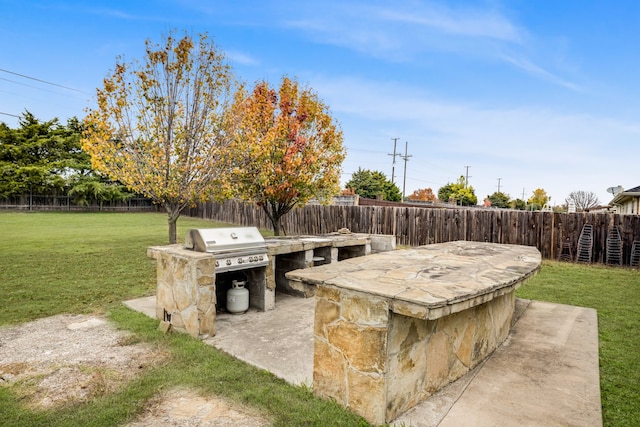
<point x="460" y="22"/>
<point x="242" y="58"/>
<point x="535" y="70"/>
<point x="406" y="30"/>
<point x="533" y="147"/>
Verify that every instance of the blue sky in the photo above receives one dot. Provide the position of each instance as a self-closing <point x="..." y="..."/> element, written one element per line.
<point x="528" y="94"/>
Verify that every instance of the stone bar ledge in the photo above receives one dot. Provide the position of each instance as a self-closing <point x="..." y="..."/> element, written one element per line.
<point x="429" y="282"/>
<point x="393" y="328"/>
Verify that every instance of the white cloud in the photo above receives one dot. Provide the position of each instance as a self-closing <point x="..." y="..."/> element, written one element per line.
<point x="404" y="31"/>
<point x="535" y="70"/>
<point x="527" y="146"/>
<point x="241" y="58"/>
<point x="115" y="13"/>
<point x="405" y="27"/>
<point x="461" y="22"/>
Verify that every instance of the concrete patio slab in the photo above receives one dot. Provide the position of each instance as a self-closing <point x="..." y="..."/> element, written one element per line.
<point x="545" y="374"/>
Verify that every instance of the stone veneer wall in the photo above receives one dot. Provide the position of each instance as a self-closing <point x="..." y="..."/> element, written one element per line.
<point x="186" y="291"/>
<point x="261" y="284"/>
<point x="379" y="363"/>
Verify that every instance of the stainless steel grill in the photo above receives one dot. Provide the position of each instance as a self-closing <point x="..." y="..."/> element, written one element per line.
<point x="235" y="248"/>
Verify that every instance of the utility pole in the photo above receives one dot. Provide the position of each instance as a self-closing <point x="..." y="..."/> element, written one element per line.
<point x="466" y="179"/>
<point x="499" y="179"/>
<point x="523" y="194"/>
<point x="393" y="164"/>
<point x="406" y="159"/>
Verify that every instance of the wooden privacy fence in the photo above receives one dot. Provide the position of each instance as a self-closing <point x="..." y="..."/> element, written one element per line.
<point x="414" y="226"/>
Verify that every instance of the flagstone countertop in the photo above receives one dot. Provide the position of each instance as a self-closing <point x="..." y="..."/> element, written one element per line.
<point x="432" y="281"/>
<point x="286" y="244"/>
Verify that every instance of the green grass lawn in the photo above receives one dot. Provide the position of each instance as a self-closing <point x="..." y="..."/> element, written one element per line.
<point x="77" y="263"/>
<point x="54" y="263"/>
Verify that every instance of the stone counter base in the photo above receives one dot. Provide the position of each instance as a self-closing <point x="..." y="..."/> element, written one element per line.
<point x="186" y="291"/>
<point x="358" y="341"/>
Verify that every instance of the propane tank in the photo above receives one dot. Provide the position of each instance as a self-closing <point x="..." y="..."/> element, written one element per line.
<point x="237" y="297"/>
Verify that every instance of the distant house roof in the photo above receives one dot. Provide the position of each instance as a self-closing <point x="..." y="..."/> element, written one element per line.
<point x="625" y="195"/>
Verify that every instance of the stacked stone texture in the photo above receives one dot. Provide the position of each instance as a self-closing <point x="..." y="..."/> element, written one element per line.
<point x="186" y="291"/>
<point x="392" y="329"/>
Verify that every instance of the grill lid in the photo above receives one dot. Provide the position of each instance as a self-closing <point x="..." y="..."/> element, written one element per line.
<point x="221" y="240"/>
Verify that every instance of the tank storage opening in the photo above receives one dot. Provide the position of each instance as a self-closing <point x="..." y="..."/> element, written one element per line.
<point x="254" y="278"/>
<point x="347" y="252"/>
<point x="285" y="263"/>
<point x="322" y="256"/>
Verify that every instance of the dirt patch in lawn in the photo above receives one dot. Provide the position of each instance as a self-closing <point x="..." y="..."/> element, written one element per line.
<point x="185" y="408"/>
<point x="69" y="359"/>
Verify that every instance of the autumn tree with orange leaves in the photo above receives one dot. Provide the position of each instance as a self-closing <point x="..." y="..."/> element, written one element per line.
<point x="423" y="195"/>
<point x="288" y="147"/>
<point x="162" y="127"/>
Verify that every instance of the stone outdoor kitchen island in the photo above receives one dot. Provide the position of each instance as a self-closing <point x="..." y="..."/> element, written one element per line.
<point x="392" y="328"/>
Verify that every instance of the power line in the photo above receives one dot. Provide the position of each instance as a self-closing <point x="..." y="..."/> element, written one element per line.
<point x="19" y="83"/>
<point x="365" y="151"/>
<point x="27" y="85"/>
<point x="425" y="180"/>
<point x="42" y="81"/>
<point x="7" y="114"/>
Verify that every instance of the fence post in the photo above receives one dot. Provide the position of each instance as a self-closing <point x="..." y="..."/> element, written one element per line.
<point x="553" y="227"/>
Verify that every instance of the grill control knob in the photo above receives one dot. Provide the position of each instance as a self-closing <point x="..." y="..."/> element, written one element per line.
<point x="217" y="264"/>
<point x="240" y="261"/>
<point x="260" y="257"/>
<point x="228" y="262"/>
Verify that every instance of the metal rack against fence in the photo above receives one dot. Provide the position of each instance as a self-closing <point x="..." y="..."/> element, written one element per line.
<point x="565" y="253"/>
<point x="585" y="244"/>
<point x="614" y="247"/>
<point x="635" y="254"/>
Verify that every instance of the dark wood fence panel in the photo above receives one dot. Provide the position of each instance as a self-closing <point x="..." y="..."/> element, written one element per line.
<point x="629" y="226"/>
<point x="415" y="226"/>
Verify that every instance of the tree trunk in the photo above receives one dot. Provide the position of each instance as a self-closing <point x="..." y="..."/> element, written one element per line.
<point x="172" y="229"/>
<point x="276" y="226"/>
<point x="173" y="213"/>
<point x="272" y="213"/>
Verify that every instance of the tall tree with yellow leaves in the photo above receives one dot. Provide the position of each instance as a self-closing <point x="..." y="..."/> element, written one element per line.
<point x="288" y="147"/>
<point x="538" y="199"/>
<point x="162" y="127"/>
